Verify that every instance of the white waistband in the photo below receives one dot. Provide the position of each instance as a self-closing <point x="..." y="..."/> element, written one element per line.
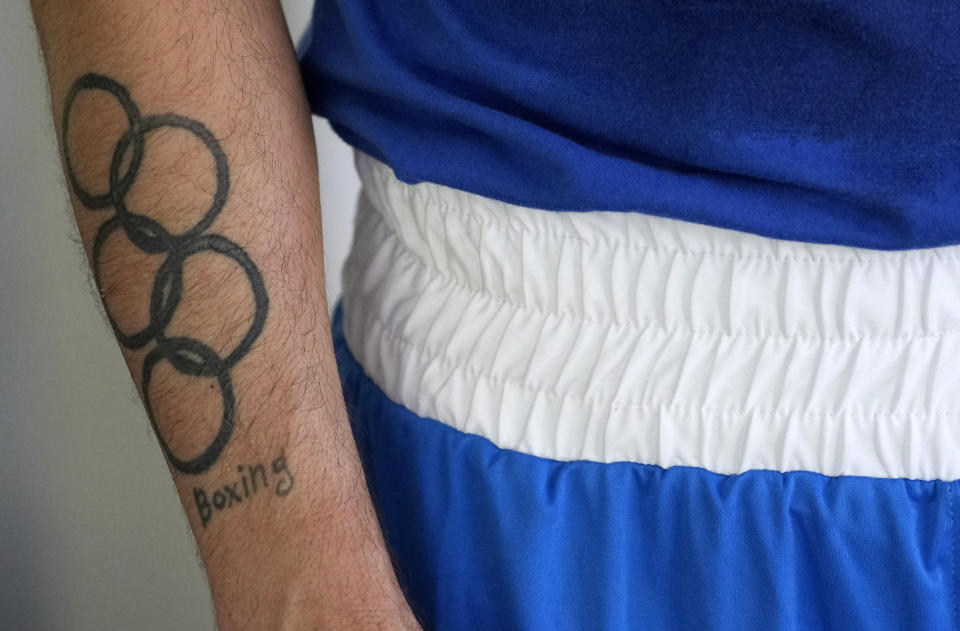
<point x="612" y="336"/>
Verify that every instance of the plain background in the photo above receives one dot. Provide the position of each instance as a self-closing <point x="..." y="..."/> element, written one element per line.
<point x="92" y="535"/>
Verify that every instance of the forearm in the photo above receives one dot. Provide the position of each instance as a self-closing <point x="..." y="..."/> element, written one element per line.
<point x="190" y="159"/>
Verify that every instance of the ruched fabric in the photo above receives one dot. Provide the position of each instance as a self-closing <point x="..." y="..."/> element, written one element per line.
<point x="622" y="337"/>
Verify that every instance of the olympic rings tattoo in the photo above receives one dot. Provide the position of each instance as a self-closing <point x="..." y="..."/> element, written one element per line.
<point x="188" y="356"/>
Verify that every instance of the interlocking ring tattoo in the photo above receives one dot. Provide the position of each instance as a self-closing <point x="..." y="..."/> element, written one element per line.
<point x="187" y="355"/>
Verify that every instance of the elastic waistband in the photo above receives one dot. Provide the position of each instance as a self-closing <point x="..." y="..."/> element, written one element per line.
<point x="613" y="336"/>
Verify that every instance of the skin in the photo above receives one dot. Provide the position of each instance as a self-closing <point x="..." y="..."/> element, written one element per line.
<point x="191" y="166"/>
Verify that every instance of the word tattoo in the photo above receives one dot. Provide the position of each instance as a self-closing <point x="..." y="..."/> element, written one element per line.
<point x="188" y="356"/>
<point x="253" y="478"/>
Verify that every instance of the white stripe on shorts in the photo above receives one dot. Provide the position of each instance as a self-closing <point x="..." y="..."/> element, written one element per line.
<point x="611" y="336"/>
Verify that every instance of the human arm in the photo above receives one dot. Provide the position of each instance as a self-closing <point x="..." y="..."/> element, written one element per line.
<point x="192" y="171"/>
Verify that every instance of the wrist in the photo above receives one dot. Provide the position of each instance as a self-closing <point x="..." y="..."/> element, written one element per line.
<point x="307" y="563"/>
<point x="296" y="607"/>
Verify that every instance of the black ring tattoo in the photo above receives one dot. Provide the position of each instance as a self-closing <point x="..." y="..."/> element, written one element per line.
<point x="186" y="355"/>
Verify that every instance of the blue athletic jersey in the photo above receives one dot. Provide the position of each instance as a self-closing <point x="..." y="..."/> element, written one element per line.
<point x="822" y="121"/>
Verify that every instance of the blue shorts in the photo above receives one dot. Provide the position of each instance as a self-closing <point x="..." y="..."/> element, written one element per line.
<point x="695" y="504"/>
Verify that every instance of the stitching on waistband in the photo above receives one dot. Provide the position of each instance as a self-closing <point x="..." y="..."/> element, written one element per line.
<point x="886" y="257"/>
<point x="391" y="335"/>
<point x="434" y="273"/>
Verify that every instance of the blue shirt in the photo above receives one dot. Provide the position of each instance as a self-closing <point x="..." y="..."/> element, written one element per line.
<point x="820" y="121"/>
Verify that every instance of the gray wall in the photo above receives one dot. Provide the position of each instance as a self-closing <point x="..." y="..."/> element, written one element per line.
<point x="91" y="533"/>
